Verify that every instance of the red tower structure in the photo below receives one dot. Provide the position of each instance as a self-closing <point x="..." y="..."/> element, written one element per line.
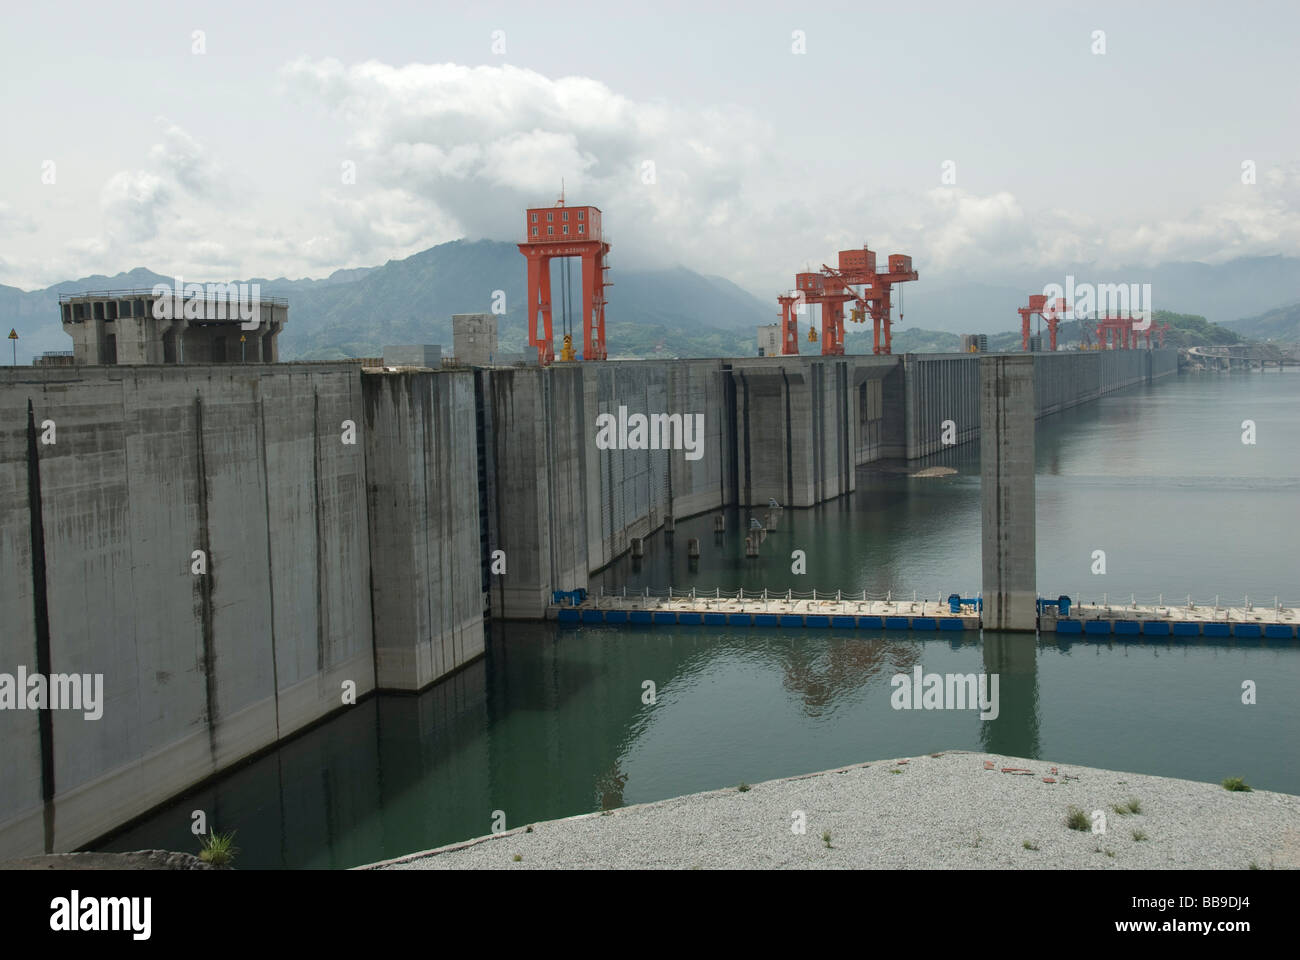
<point x="1038" y="305"/>
<point x="1120" y="333"/>
<point x="835" y="286"/>
<point x="858" y="267"/>
<point x="559" y="232"/>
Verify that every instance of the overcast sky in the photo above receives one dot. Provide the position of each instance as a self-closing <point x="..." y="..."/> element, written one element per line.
<point x="232" y="162"/>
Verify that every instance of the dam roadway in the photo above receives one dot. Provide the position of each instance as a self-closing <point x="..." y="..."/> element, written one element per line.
<point x="356" y="528"/>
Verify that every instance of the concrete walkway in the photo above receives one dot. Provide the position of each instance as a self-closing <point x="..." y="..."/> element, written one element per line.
<point x="952" y="810"/>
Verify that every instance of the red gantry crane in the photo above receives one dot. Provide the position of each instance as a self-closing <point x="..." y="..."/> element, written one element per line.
<point x="1118" y="333"/>
<point x="1121" y="333"/>
<point x="833" y="287"/>
<point x="562" y="232"/>
<point x="1038" y="305"/>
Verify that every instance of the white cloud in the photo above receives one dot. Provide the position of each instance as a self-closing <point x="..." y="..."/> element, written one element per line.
<point x="132" y="203"/>
<point x="443" y="151"/>
<point x="474" y="146"/>
<point x="183" y="158"/>
<point x="13" y="221"/>
<point x="1246" y="220"/>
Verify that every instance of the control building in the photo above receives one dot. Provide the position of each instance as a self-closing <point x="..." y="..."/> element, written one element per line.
<point x="216" y="323"/>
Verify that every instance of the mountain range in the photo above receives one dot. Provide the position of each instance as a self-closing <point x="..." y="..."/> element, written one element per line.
<point x="668" y="312"/>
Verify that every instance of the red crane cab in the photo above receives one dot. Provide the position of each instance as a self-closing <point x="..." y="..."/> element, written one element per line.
<point x="558" y="224"/>
<point x="858" y="262"/>
<point x="812" y="283"/>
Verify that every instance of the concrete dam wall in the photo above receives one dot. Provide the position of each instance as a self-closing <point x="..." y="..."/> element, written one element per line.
<point x="422" y="502"/>
<point x="560" y="506"/>
<point x="238" y="549"/>
<point x="943" y="387"/>
<point x="111" y="478"/>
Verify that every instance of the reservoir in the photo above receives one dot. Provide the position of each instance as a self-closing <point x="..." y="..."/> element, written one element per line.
<point x="553" y="722"/>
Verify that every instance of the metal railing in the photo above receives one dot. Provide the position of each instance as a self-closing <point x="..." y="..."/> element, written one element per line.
<point x="714" y="593"/>
<point x="148" y="292"/>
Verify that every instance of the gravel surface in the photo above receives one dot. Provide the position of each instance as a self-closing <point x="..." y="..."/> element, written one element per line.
<point x="943" y="811"/>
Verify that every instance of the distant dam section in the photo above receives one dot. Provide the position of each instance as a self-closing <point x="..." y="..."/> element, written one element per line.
<point x="230" y="553"/>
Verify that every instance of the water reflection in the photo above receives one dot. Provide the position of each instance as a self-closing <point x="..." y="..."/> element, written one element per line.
<point x="820" y="677"/>
<point x="1014" y="658"/>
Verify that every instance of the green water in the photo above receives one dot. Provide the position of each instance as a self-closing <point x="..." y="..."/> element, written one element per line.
<point x="551" y="722"/>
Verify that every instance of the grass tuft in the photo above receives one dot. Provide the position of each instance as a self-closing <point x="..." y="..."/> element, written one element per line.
<point x="1076" y="819"/>
<point x="517" y="858"/>
<point x="1028" y="845"/>
<point x="1237" y="785"/>
<point x="218" y="849"/>
<point x="1139" y="835"/>
<point x="743" y="787"/>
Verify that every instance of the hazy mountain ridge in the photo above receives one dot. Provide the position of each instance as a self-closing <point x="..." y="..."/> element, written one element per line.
<point x="666" y="312"/>
<point x="1281" y="324"/>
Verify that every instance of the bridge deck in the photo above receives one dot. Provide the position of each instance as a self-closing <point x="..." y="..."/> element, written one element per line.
<point x="1176" y="621"/>
<point x="1090" y="619"/>
<point x="772" y="612"/>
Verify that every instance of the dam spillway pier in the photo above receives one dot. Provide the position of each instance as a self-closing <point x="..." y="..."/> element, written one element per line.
<point x="357" y="527"/>
<point x="1007" y="492"/>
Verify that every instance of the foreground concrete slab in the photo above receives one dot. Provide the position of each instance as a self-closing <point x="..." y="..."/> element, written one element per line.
<point x="954" y="809"/>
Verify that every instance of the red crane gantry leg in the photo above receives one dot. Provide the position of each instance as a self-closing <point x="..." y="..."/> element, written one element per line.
<point x="789" y="324"/>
